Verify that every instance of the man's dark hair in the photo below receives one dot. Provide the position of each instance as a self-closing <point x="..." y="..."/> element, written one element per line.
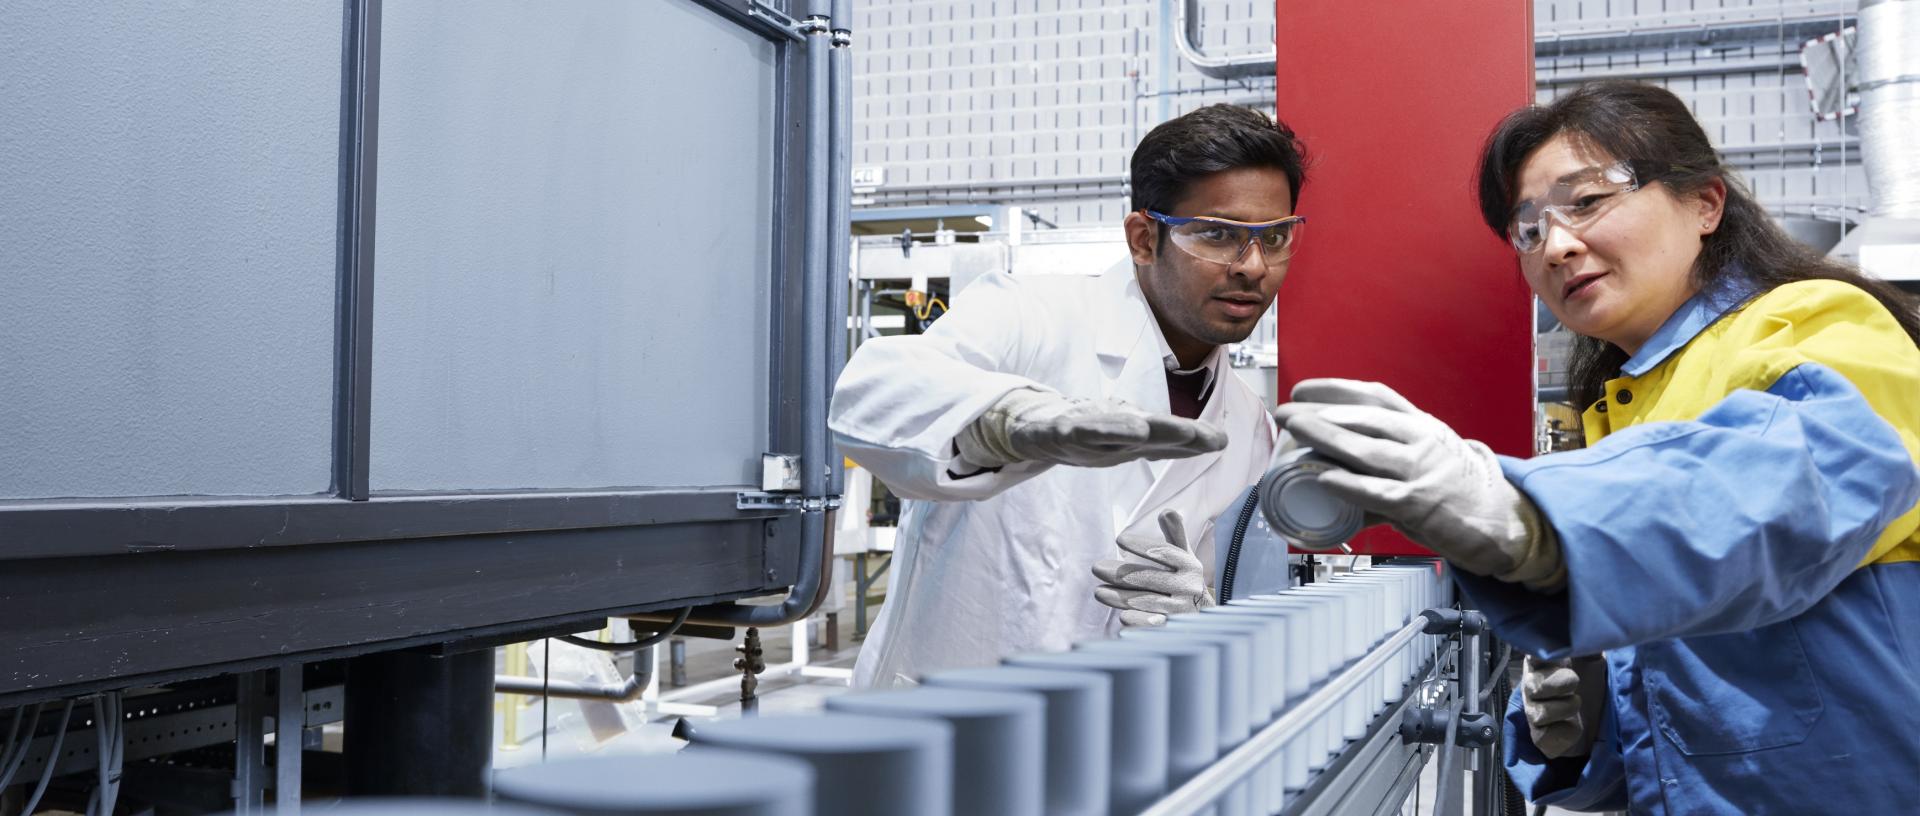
<point x="1215" y="138"/>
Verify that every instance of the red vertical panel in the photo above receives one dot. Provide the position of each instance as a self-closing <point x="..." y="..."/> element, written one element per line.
<point x="1397" y="280"/>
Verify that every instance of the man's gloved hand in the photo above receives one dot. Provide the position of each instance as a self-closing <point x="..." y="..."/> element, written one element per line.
<point x="1174" y="583"/>
<point x="1029" y="425"/>
<point x="1564" y="701"/>
<point x="1408" y="468"/>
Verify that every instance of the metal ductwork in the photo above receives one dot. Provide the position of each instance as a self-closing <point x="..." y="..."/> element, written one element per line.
<point x="1239" y="66"/>
<point x="1889" y="62"/>
<point x="1887" y="51"/>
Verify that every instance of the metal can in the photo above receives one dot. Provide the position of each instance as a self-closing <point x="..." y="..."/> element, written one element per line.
<point x="1301" y="510"/>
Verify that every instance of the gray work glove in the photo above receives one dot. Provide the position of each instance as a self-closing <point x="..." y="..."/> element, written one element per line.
<point x="1405" y="467"/>
<point x="1029" y="425"/>
<point x="1173" y="583"/>
<point x="1564" y="701"/>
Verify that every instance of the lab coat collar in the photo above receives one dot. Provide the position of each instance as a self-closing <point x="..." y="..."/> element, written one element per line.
<point x="1119" y="335"/>
<point x="1120" y="330"/>
<point x="1687" y="322"/>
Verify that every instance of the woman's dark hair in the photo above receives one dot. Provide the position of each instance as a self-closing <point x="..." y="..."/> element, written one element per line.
<point x="1647" y="124"/>
<point x="1212" y="139"/>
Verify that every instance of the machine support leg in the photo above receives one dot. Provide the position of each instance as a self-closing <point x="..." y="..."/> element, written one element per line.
<point x="290" y="725"/>
<point x="250" y="746"/>
<point x="420" y="724"/>
<point x="677" y="662"/>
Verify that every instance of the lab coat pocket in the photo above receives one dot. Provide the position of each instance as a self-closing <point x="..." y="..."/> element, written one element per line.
<point x="1734" y="693"/>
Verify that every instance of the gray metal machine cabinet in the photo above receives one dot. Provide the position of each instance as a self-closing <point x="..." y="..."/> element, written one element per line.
<point x="341" y="328"/>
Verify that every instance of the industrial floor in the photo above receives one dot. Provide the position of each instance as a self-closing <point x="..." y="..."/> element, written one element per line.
<point x="578" y="728"/>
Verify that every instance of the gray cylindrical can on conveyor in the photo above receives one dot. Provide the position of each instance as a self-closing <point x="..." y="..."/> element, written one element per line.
<point x="1297" y="507"/>
<point x="862" y="766"/>
<point x="1140" y="720"/>
<point x="999" y="740"/>
<point x="1079" y="713"/>
<point x="710" y="782"/>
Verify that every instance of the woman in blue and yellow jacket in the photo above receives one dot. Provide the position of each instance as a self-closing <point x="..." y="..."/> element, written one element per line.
<point x="1720" y="594"/>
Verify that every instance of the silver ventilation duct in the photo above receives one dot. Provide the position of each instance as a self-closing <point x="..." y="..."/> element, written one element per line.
<point x="1887" y="244"/>
<point x="1888" y="51"/>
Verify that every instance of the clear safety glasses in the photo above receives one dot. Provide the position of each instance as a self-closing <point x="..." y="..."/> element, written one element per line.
<point x="1223" y="241"/>
<point x="1575" y="201"/>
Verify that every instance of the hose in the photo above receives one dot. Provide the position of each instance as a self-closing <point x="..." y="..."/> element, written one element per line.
<point x="99" y="794"/>
<point x="53" y="758"/>
<point x="1227" y="573"/>
<point x="13" y="736"/>
<point x="679" y="619"/>
<point x="17" y="754"/>
<point x="109" y="737"/>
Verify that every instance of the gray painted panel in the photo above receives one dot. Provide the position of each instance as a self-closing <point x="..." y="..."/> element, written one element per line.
<point x="168" y="185"/>
<point x="574" y="246"/>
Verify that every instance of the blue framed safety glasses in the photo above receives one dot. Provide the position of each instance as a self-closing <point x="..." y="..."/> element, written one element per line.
<point x="1224" y="241"/>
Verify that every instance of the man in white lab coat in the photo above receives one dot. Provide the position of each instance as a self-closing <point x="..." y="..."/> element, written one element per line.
<point x="1046" y="423"/>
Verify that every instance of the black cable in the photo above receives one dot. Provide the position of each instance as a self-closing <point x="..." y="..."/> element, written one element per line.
<point x="1505" y="797"/>
<point x="1227" y="573"/>
<point x="679" y="619"/>
<point x="1499" y="673"/>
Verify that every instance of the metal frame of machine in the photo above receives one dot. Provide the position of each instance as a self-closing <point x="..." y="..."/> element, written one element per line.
<point x="109" y="593"/>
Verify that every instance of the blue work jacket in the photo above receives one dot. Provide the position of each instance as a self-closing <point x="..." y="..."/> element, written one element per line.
<point x="1740" y="540"/>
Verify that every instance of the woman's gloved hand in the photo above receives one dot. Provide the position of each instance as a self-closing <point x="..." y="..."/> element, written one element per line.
<point x="1173" y="583"/>
<point x="1406" y="467"/>
<point x="1564" y="701"/>
<point x="1029" y="425"/>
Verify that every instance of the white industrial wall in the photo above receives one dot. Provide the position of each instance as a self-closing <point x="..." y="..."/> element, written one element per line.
<point x="1039" y="102"/>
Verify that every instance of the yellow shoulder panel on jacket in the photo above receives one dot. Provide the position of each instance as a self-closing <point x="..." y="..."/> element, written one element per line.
<point x="1845" y="329"/>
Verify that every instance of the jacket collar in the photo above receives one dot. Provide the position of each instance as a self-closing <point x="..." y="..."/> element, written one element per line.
<point x="1133" y="321"/>
<point x="1687" y="322"/>
<point x="1129" y="319"/>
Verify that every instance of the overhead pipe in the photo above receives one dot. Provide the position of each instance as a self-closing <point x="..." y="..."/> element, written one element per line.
<point x="1251" y="64"/>
<point x="1263" y="63"/>
<point x="623" y="692"/>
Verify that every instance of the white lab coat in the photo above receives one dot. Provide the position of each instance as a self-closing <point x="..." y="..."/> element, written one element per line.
<point x="1001" y="563"/>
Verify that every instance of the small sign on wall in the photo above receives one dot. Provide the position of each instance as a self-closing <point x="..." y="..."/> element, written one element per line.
<point x="869" y="176"/>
